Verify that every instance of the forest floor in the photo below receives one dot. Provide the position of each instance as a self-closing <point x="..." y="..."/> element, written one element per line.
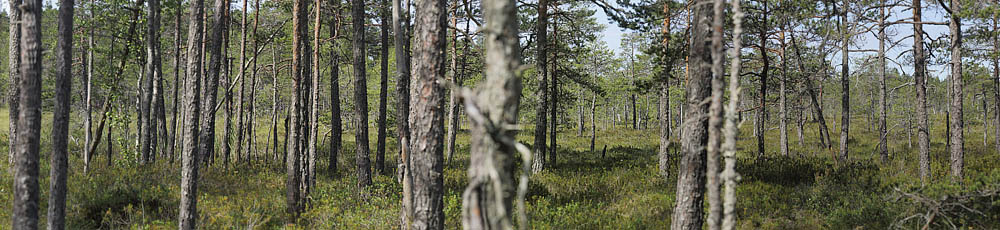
<point x="621" y="190"/>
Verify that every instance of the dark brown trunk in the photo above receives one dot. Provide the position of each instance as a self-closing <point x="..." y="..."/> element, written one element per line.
<point x="336" y="129"/>
<point x="541" y="33"/>
<point x="60" y="118"/>
<point x="189" y="174"/>
<point x="427" y="117"/>
<point x="383" y="87"/>
<point x="687" y="214"/>
<point x="209" y="90"/>
<point x="360" y="94"/>
<point x="845" y="84"/>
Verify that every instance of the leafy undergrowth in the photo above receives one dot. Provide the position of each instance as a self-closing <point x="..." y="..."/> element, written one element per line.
<point x="621" y="190"/>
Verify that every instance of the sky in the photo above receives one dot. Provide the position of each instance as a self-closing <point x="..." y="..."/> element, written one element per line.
<point x="612" y="36"/>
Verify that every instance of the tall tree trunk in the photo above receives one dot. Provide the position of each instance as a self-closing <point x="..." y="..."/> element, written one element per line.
<point x="14" y="73"/>
<point x="986" y="122"/>
<point x="110" y="144"/>
<point x="663" y="154"/>
<point x="274" y="100"/>
<point x="314" y="103"/>
<point x="845" y="84"/>
<point x="762" y="109"/>
<point x="383" y="96"/>
<point x="920" y="85"/>
<point x="253" y="86"/>
<point x="957" y="138"/>
<point x="151" y="73"/>
<point x="996" y="85"/>
<point x="177" y="82"/>
<point x="715" y="121"/>
<point x="240" y="113"/>
<point x="360" y="94"/>
<point x="579" y="113"/>
<point x="541" y="33"/>
<point x="401" y="41"/>
<point x="213" y="47"/>
<point x="227" y="133"/>
<point x="26" y="193"/>
<point x="593" y="121"/>
<point x="492" y="144"/>
<point x="87" y="116"/>
<point x="453" y="99"/>
<point x="730" y="130"/>
<point x="336" y="126"/>
<point x="883" y="132"/>
<point x="58" y="171"/>
<point x="428" y="114"/>
<point x="687" y="213"/>
<point x="294" y="154"/>
<point x="159" y="111"/>
<point x="554" y="96"/>
<point x="189" y="172"/>
<point x="782" y="103"/>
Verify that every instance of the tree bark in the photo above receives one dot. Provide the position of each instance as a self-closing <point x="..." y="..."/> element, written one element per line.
<point x="957" y="138"/>
<point x="253" y="92"/>
<point x="189" y="173"/>
<point x="151" y="73"/>
<point x="782" y="99"/>
<point x="453" y="98"/>
<point x="240" y="113"/>
<point x="58" y="171"/>
<point x="730" y="129"/>
<point x="214" y="46"/>
<point x="554" y="96"/>
<point x="26" y="192"/>
<point x="294" y="155"/>
<point x="845" y="84"/>
<point x="336" y="129"/>
<point x="883" y="132"/>
<point x="361" y="94"/>
<point x="491" y="147"/>
<point x="383" y="95"/>
<point x="920" y="85"/>
<point x="14" y="73"/>
<point x="428" y="114"/>
<point x="314" y="103"/>
<point x="762" y="109"/>
<point x="687" y="213"/>
<point x="274" y="101"/>
<point x="996" y="85"/>
<point x="401" y="42"/>
<point x="87" y="117"/>
<point x="227" y="97"/>
<point x="715" y="121"/>
<point x="663" y="154"/>
<point x="541" y="33"/>
<point x="177" y="82"/>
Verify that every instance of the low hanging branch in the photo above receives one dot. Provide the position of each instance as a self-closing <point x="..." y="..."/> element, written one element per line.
<point x="947" y="212"/>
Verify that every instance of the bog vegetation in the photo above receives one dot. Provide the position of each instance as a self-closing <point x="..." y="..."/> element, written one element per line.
<point x="500" y="114"/>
